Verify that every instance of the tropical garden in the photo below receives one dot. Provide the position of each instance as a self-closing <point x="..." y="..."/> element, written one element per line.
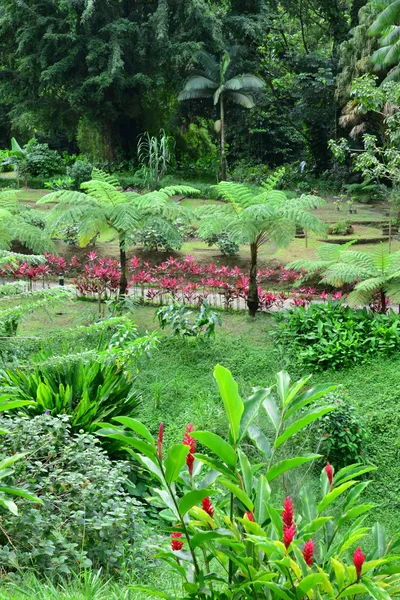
<point x="199" y="299"/>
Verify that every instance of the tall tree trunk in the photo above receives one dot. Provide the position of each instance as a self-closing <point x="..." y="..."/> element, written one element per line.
<point x="123" y="282"/>
<point x="223" y="155"/>
<point x="252" y="298"/>
<point x="383" y="302"/>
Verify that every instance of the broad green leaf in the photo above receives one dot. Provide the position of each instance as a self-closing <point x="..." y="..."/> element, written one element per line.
<point x="10" y="460"/>
<point x="11" y="404"/>
<point x="375" y="591"/>
<point x="352" y="590"/>
<point x="143" y="447"/>
<point x="192" y="498"/>
<point x="339" y="570"/>
<point x="220" y="447"/>
<point x="150" y="466"/>
<point x="252" y="407"/>
<point x="174" y="462"/>
<point x="240" y="494"/>
<point x="233" y="403"/>
<point x="354" y="512"/>
<point x="307" y="397"/>
<point x="8" y="504"/>
<point x="271" y="409"/>
<point x="276" y="520"/>
<point x="295" y="389"/>
<point x="260" y="440"/>
<point x="290" y="463"/>
<point x="354" y="494"/>
<point x="308" y="503"/>
<point x="213" y="463"/>
<point x="136" y="426"/>
<point x="247" y="475"/>
<point x="379" y="539"/>
<point x="282" y="386"/>
<point x="278" y="590"/>
<point x="207" y="536"/>
<point x="21" y="492"/>
<point x="263" y="493"/>
<point x="309" y="528"/>
<point x="309" y="582"/>
<point x="352" y="471"/>
<point x="335" y="493"/>
<point x="305" y="420"/>
<point x="352" y="540"/>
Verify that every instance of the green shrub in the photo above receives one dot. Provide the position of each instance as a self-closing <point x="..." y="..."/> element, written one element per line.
<point x="153" y="240"/>
<point x="332" y="335"/>
<point x="88" y="391"/>
<point x="87" y="519"/>
<point x="41" y="161"/>
<point x="227" y="247"/>
<point x="183" y="326"/>
<point x="80" y="171"/>
<point x="342" y="433"/>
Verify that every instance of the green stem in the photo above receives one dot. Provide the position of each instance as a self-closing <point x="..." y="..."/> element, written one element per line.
<point x="230" y="560"/>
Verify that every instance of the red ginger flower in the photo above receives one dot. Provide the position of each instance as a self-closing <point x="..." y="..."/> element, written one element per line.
<point x="308" y="552"/>
<point x="288" y="535"/>
<point x="288" y="513"/>
<point x="188" y="440"/>
<point x="208" y="507"/>
<point x="176" y="543"/>
<point x="160" y="441"/>
<point x="250" y="516"/>
<point x="358" y="561"/>
<point x="329" y="473"/>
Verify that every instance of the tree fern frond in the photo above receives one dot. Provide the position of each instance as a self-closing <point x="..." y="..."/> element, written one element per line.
<point x="272" y="181"/>
<point x="34" y="238"/>
<point x="341" y="273"/>
<point x="100" y="175"/>
<point x="359" y="297"/>
<point x="332" y="252"/>
<point x="180" y="190"/>
<point x="63" y="196"/>
<point x="359" y="260"/>
<point x="371" y="285"/>
<point x="392" y="290"/>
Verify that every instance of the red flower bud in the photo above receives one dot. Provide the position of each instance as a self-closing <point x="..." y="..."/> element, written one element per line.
<point x="160" y="441"/>
<point x="288" y="535"/>
<point x="188" y="440"/>
<point x="208" y="507"/>
<point x="250" y="516"/>
<point x="288" y="512"/>
<point x="358" y="561"/>
<point x="308" y="552"/>
<point x="329" y="473"/>
<point x="176" y="543"/>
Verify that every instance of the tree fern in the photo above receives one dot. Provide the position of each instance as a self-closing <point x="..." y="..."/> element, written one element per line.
<point x="102" y="206"/>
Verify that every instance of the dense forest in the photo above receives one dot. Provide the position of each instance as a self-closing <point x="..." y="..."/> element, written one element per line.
<point x="91" y="76"/>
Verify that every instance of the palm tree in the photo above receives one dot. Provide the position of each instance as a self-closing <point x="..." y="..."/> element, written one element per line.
<point x="387" y="25"/>
<point x="376" y="273"/>
<point x="218" y="82"/>
<point x="103" y="206"/>
<point x="13" y="226"/>
<point x="255" y="218"/>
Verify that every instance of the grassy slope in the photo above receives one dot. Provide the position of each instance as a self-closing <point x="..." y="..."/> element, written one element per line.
<point x="178" y="387"/>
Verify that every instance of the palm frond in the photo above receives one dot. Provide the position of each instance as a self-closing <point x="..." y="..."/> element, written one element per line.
<point x="245" y="99"/>
<point x="246" y="82"/>
<point x="195" y="94"/>
<point x="386" y="18"/>
<point x="209" y="64"/>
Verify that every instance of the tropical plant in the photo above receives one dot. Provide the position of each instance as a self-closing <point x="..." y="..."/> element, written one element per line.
<point x="332" y="335"/>
<point x="386" y="25"/>
<point x="219" y="82"/>
<point x="103" y="206"/>
<point x="88" y="391"/>
<point x="13" y="226"/>
<point x="256" y="217"/>
<point x="154" y="155"/>
<point x="373" y="273"/>
<point x="86" y="517"/>
<point x="41" y="161"/>
<point x="18" y="156"/>
<point x="230" y="538"/>
<point x="179" y="318"/>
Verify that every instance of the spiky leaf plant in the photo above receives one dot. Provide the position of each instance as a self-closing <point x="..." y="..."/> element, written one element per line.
<point x="256" y="217"/>
<point x="102" y="206"/>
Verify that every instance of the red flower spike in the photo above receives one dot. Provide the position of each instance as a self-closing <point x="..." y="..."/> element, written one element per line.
<point x="329" y="473"/>
<point x="188" y="440"/>
<point x="288" y="535"/>
<point x="308" y="552"/>
<point x="208" y="507"/>
<point x="176" y="543"/>
<point x="358" y="561"/>
<point x="250" y="516"/>
<point x="288" y="512"/>
<point x="160" y="441"/>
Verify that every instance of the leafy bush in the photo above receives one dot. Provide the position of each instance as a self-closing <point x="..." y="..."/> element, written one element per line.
<point x="88" y="391"/>
<point x="87" y="519"/>
<point x="37" y="218"/>
<point x="342" y="433"/>
<point x="80" y="171"/>
<point x="178" y="317"/>
<point x="227" y="247"/>
<point x="230" y="537"/>
<point x="153" y="240"/>
<point x="332" y="335"/>
<point x="62" y="183"/>
<point x="248" y="172"/>
<point x="41" y="161"/>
